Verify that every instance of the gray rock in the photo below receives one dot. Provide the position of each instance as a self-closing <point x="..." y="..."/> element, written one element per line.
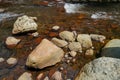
<point x="112" y="49"/>
<point x="59" y="42"/>
<point x="24" y="24"/>
<point x="85" y="40"/>
<point x="25" y="76"/>
<point x="75" y="46"/>
<point x="103" y="68"/>
<point x="44" y="55"/>
<point x="67" y="35"/>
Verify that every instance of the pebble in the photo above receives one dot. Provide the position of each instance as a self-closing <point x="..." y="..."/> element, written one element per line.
<point x="73" y="53"/>
<point x="61" y="68"/>
<point x="89" y="52"/>
<point x="68" y="61"/>
<point x="2" y="59"/>
<point x="56" y="28"/>
<point x="46" y="78"/>
<point x="39" y="77"/>
<point x="35" y="34"/>
<point x="25" y="76"/>
<point x="73" y="60"/>
<point x="12" y="61"/>
<point x="57" y="76"/>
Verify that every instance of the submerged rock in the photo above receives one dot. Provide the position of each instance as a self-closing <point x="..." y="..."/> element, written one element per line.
<point x="12" y="61"/>
<point x="24" y="24"/>
<point x="44" y="55"/>
<point x="73" y="53"/>
<point x="57" y="76"/>
<point x="2" y="59"/>
<point x="25" y="76"/>
<point x="56" y="28"/>
<point x="112" y="49"/>
<point x="103" y="68"/>
<point x="97" y="37"/>
<point x="67" y="35"/>
<point x="85" y="40"/>
<point x="75" y="46"/>
<point x="12" y="41"/>
<point x="59" y="42"/>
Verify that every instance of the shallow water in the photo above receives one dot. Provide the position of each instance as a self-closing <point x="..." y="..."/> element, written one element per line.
<point x="80" y="21"/>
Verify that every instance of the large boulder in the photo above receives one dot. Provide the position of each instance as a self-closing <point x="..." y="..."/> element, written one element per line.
<point x="103" y="68"/>
<point x="112" y="49"/>
<point x="67" y="35"/>
<point x="24" y="24"/>
<point x="85" y="40"/>
<point x="44" y="55"/>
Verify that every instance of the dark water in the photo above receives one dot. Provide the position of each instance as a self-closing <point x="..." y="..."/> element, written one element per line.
<point x="107" y="22"/>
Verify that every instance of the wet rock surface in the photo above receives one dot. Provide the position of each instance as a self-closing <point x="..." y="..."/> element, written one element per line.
<point x="79" y="22"/>
<point x="44" y="55"/>
<point x="112" y="49"/>
<point x="100" y="69"/>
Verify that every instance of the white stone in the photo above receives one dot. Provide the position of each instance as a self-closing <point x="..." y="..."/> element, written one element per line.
<point x="24" y="24"/>
<point x="97" y="37"/>
<point x="25" y="76"/>
<point x="59" y="42"/>
<point x="35" y="34"/>
<point x="12" y="61"/>
<point x="44" y="55"/>
<point x="67" y="35"/>
<point x="104" y="68"/>
<point x="12" y="41"/>
<point x="57" y="76"/>
<point x="56" y="28"/>
<point x="2" y="59"/>
<point x="85" y="40"/>
<point x="75" y="46"/>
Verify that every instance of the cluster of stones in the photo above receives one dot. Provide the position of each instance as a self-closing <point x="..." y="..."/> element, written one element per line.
<point x="49" y="53"/>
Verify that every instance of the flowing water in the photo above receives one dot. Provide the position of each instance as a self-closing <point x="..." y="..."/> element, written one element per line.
<point x="84" y="18"/>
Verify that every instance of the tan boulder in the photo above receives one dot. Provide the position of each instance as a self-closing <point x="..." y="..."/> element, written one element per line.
<point x="44" y="55"/>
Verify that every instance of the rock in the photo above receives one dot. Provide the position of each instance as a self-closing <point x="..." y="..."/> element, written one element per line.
<point x="104" y="68"/>
<point x="35" y="34"/>
<point x="46" y="78"/>
<point x="73" y="53"/>
<point x="44" y="55"/>
<point x="56" y="28"/>
<point x="2" y="59"/>
<point x="85" y="40"/>
<point x="112" y="49"/>
<point x="12" y="41"/>
<point x="25" y="76"/>
<point x="57" y="76"/>
<point x="39" y="77"/>
<point x="2" y="10"/>
<point x="12" y="61"/>
<point x="97" y="37"/>
<point x="24" y="24"/>
<point x="89" y="52"/>
<point x="67" y="35"/>
<point x="75" y="46"/>
<point x="59" y="42"/>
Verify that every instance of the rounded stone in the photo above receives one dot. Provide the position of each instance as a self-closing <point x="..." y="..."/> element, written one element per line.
<point x="2" y="59"/>
<point x="56" y="28"/>
<point x="12" y="61"/>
